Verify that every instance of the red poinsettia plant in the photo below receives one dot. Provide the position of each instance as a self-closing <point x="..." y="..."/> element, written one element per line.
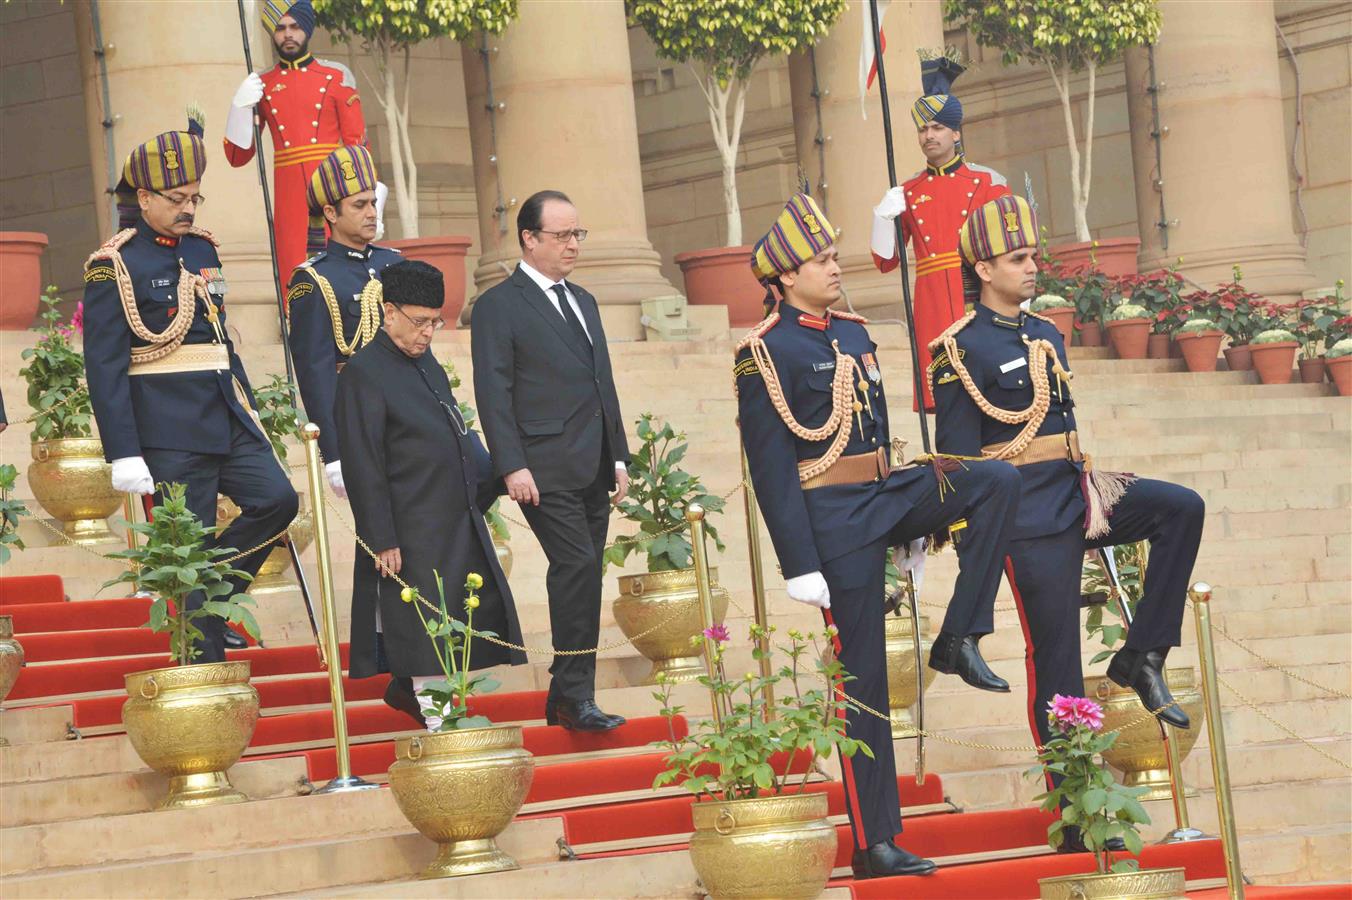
<point x="1161" y="293"/>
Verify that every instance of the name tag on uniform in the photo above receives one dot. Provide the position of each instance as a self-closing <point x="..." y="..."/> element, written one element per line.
<point x="1013" y="364"/>
<point x="161" y="282"/>
<point x="824" y="366"/>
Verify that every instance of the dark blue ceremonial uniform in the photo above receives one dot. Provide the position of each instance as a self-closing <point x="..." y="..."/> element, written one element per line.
<point x="313" y="348"/>
<point x="1049" y="541"/>
<point x="190" y="427"/>
<point x="844" y="531"/>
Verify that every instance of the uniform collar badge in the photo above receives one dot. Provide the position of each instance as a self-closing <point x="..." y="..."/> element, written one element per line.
<point x="810" y="321"/>
<point x="871" y="369"/>
<point x="164" y="241"/>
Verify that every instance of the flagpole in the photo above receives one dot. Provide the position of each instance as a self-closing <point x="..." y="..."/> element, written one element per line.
<point x="917" y="374"/>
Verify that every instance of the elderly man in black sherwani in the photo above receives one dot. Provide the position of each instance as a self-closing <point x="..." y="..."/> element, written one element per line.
<point x="418" y="481"/>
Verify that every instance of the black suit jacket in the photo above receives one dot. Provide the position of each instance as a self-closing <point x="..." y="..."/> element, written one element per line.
<point x="546" y="401"/>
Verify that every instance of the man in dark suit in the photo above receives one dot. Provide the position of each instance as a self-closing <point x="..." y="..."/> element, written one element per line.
<point x="547" y="402"/>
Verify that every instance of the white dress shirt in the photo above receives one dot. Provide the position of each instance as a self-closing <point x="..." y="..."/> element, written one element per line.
<point x="548" y="287"/>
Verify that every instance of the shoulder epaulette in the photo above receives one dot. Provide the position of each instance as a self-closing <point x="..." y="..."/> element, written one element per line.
<point x="204" y="235"/>
<point x="952" y="331"/>
<point x="312" y="260"/>
<point x="349" y="80"/>
<point x="758" y="331"/>
<point x="847" y="316"/>
<point x="109" y="248"/>
<point x="1042" y="317"/>
<point x="996" y="177"/>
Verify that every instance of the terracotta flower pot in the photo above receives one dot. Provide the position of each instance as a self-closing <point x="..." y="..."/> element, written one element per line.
<point x="1238" y="358"/>
<point x="1112" y="256"/>
<point x="1200" y="349"/>
<point x="1091" y="334"/>
<point x="1311" y="370"/>
<point x="1063" y="317"/>
<point x="1274" y="362"/>
<point x="722" y="277"/>
<point x="20" y="277"/>
<point x="447" y="253"/>
<point x="1129" y="337"/>
<point x="1157" y="346"/>
<point x="1340" y="371"/>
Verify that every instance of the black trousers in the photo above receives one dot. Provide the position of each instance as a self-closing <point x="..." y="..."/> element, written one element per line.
<point x="250" y="476"/>
<point x="571" y="528"/>
<point x="986" y="495"/>
<point x="1044" y="573"/>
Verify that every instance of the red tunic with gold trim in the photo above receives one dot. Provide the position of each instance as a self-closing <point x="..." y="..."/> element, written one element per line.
<point x="938" y="200"/>
<point x="311" y="108"/>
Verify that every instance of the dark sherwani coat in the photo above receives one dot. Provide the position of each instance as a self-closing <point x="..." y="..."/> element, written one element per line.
<point x="417" y="483"/>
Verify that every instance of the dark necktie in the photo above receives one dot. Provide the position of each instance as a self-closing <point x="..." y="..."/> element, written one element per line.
<point x="569" y="316"/>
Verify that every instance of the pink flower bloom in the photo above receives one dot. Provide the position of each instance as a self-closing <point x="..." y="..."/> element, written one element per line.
<point x="1068" y="712"/>
<point x="717" y="633"/>
<point x="77" y="319"/>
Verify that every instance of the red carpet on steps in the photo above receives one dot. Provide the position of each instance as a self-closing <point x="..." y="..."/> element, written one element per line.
<point x="1281" y="892"/>
<point x="86" y="615"/>
<point x="21" y="589"/>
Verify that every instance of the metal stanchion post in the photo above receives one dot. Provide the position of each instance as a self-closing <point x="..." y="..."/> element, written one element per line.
<point x="1200" y="594"/>
<point x="914" y="597"/>
<point x="1183" y="830"/>
<point x="345" y="780"/>
<point x="758" y="582"/>
<point x="694" y="514"/>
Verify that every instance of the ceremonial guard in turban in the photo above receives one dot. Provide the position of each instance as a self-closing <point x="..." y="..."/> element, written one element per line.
<point x="1002" y="385"/>
<point x="933" y="204"/>
<point x="334" y="299"/>
<point x="813" y="417"/>
<point x="310" y="106"/>
<point x="169" y="392"/>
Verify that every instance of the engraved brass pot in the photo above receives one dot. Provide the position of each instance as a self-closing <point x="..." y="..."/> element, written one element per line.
<point x="653" y="597"/>
<point x="504" y="553"/>
<point x="274" y="575"/>
<point x="190" y="724"/>
<point x="901" y="671"/>
<point x="11" y="660"/>
<point x="75" y="486"/>
<point x="1139" y="753"/>
<point x="1146" y="884"/>
<point x="461" y="789"/>
<point x="780" y="847"/>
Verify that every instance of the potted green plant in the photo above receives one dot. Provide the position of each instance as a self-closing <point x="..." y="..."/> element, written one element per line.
<point x="1160" y="292"/>
<point x="755" y="829"/>
<point x="1313" y="324"/>
<point x="1067" y="38"/>
<point x="1138" y="753"/>
<point x="1091" y="289"/>
<point x="493" y="516"/>
<point x="1129" y="329"/>
<point x="69" y="477"/>
<point x="1238" y="312"/>
<point x="387" y="32"/>
<point x="1060" y="310"/>
<point x="1274" y="355"/>
<point x="1339" y="361"/>
<point x="463" y="782"/>
<point x="192" y="721"/>
<point x="723" y="42"/>
<point x="666" y="595"/>
<point x="1089" y="800"/>
<point x="1200" y="340"/>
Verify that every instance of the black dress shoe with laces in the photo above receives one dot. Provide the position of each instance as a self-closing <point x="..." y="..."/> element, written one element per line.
<point x="234" y="640"/>
<point x="961" y="656"/>
<point x="1144" y="673"/>
<point x="580" y="715"/>
<point x="399" y="695"/>
<point x="885" y="859"/>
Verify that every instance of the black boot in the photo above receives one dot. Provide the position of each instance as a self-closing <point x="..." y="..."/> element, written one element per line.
<point x="234" y="640"/>
<point x="885" y="858"/>
<point x="1072" y="841"/>
<point x="1144" y="673"/>
<point x="961" y="656"/>
<point x="399" y="695"/>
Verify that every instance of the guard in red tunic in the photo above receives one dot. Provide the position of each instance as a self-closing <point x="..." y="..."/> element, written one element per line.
<point x="933" y="205"/>
<point x="311" y="108"/>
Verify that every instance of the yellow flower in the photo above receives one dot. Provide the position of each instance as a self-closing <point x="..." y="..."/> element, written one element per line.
<point x="408" y="595"/>
<point x="472" y="601"/>
<point x="474" y="581"/>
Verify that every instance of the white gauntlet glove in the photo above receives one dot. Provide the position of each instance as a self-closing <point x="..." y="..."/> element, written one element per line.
<point x="249" y="92"/>
<point x="334" y="473"/>
<point x="911" y="558"/>
<point x="883" y="238"/>
<point x="130" y="476"/>
<point x="810" y="589"/>
<point x="239" y="121"/>
<point x="382" y="194"/>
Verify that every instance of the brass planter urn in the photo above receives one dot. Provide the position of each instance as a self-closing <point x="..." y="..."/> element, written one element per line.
<point x="462" y="789"/>
<point x="781" y="846"/>
<point x="191" y="723"/>
<point x="1146" y="884"/>
<point x="672" y="599"/>
<point x="1139" y="753"/>
<point x="11" y="660"/>
<point x="75" y="486"/>
<point x="901" y="671"/>
<point x="274" y="574"/>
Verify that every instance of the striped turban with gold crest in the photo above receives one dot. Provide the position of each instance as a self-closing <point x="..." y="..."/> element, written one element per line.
<point x="800" y="232"/>
<point x="271" y="12"/>
<point x="1001" y="226"/>
<point x="166" y="161"/>
<point x="346" y="171"/>
<point x="938" y="104"/>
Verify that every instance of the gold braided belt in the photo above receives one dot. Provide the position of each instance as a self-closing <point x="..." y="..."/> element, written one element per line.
<point x="1041" y="449"/>
<point x="857" y="468"/>
<point x="185" y="358"/>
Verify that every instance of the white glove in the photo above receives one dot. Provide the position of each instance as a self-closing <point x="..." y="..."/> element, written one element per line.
<point x="249" y="92"/>
<point x="883" y="238"/>
<point x="334" y="472"/>
<point x="911" y="558"/>
<point x="382" y="194"/>
<point x="810" y="589"/>
<point x="891" y="205"/>
<point x="130" y="476"/>
<point x="239" y="122"/>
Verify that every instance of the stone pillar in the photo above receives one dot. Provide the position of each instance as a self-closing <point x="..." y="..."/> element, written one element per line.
<point x="562" y="76"/>
<point x="153" y="75"/>
<point x="1223" y="161"/>
<point x="855" y="170"/>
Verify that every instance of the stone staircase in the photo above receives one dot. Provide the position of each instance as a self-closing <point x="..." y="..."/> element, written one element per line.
<point x="1272" y="463"/>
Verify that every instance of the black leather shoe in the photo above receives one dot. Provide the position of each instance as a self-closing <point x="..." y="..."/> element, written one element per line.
<point x="581" y="715"/>
<point x="1073" y="842"/>
<point x="961" y="656"/>
<point x="885" y="858"/>
<point x="1144" y="673"/>
<point x="234" y="640"/>
<point x="399" y="695"/>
